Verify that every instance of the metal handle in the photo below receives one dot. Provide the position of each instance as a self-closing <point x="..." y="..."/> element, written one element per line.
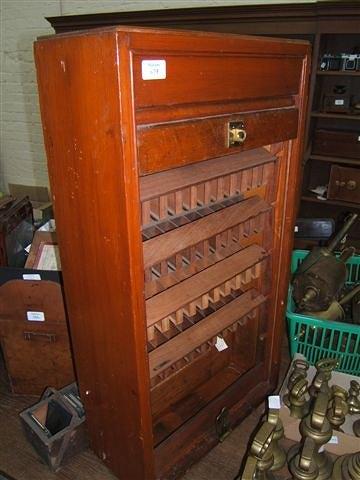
<point x="48" y="337"/>
<point x="351" y="185"/>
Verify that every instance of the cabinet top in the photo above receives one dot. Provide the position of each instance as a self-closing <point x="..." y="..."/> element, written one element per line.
<point x="169" y="39"/>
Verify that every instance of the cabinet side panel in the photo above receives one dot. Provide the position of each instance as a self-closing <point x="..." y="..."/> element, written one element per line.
<point x="94" y="187"/>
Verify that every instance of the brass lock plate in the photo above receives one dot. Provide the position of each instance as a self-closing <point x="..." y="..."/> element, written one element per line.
<point x="236" y="134"/>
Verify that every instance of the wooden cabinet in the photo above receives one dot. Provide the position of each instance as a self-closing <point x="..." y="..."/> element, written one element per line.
<point x="332" y="158"/>
<point x="173" y="159"/>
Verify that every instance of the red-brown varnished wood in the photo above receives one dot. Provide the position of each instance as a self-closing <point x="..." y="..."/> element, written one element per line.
<point x="165" y="146"/>
<point x="174" y="298"/>
<point x="169" y="238"/>
<point x="178" y="178"/>
<point x="185" y="342"/>
<point x="183" y="237"/>
<point x="91" y="162"/>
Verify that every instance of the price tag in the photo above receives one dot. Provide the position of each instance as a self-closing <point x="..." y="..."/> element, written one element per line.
<point x="334" y="439"/>
<point x="31" y="276"/>
<point x="220" y="344"/>
<point x="153" y="69"/>
<point x="339" y="102"/>
<point x="274" y="402"/>
<point x="35" y="316"/>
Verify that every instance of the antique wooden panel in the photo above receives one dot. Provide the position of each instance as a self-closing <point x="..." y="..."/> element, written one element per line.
<point x="175" y="242"/>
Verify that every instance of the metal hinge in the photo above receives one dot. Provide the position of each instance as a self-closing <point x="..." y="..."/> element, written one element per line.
<point x="222" y="423"/>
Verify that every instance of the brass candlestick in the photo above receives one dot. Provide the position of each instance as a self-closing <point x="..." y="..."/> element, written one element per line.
<point x="317" y="427"/>
<point x="299" y="404"/>
<point x="320" y="383"/>
<point x="260" y="458"/>
<point x="347" y="467"/>
<point x="302" y="465"/>
<point x="338" y="407"/>
<point x="298" y="372"/>
<point x="277" y="450"/>
<point x="353" y="399"/>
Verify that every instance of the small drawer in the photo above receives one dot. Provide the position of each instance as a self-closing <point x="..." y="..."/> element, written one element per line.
<point x="337" y="143"/>
<point x="344" y="184"/>
<point x="169" y="145"/>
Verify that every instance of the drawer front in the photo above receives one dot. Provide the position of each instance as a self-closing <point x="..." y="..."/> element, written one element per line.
<point x="167" y="80"/>
<point x="344" y="184"/>
<point x="337" y="143"/>
<point x="170" y="145"/>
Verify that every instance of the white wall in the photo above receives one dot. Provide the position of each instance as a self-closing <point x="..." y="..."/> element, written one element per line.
<point x="22" y="157"/>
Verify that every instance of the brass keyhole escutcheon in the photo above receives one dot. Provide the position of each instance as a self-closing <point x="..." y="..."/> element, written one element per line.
<point x="236" y="134"/>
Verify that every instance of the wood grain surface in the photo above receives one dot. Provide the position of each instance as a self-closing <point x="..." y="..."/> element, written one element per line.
<point x="105" y="126"/>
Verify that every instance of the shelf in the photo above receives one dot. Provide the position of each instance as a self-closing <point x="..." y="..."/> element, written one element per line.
<point x="338" y="203"/>
<point x="343" y="116"/>
<point x="346" y="161"/>
<point x="338" y="73"/>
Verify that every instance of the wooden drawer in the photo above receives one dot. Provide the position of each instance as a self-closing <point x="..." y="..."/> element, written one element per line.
<point x="169" y="145"/>
<point x="344" y="184"/>
<point x="337" y="143"/>
<point x="214" y="78"/>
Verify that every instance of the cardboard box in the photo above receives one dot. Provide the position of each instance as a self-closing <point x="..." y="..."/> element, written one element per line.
<point x="39" y="198"/>
<point x="346" y="441"/>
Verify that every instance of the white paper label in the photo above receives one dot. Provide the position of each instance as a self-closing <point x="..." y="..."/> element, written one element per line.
<point x="334" y="439"/>
<point x="274" y="402"/>
<point x="35" y="316"/>
<point x="220" y="344"/>
<point x="153" y="69"/>
<point x="31" y="276"/>
<point x="296" y="228"/>
<point x="339" y="102"/>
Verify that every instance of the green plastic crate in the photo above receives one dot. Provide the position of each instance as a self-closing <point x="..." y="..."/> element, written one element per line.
<point x="316" y="339"/>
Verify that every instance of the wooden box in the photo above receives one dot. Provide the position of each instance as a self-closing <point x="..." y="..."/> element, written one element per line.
<point x="344" y="184"/>
<point x="175" y="222"/>
<point x="33" y="330"/>
<point x="56" y="427"/>
<point x="337" y="143"/>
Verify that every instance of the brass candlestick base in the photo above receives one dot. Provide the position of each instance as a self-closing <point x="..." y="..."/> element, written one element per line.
<point x="322" y="460"/>
<point x="302" y="466"/>
<point x="317" y="427"/>
<point x="347" y="467"/>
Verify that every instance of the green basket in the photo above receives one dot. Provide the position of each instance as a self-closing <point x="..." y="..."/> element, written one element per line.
<point x="316" y="339"/>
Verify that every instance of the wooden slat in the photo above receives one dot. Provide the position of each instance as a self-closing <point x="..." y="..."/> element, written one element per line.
<point x="164" y="246"/>
<point x="179" y="295"/>
<point x="165" y="182"/>
<point x="184" y="343"/>
<point x="152" y="287"/>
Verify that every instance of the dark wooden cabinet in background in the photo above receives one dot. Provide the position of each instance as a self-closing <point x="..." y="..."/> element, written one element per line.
<point x="330" y="26"/>
<point x="173" y="158"/>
